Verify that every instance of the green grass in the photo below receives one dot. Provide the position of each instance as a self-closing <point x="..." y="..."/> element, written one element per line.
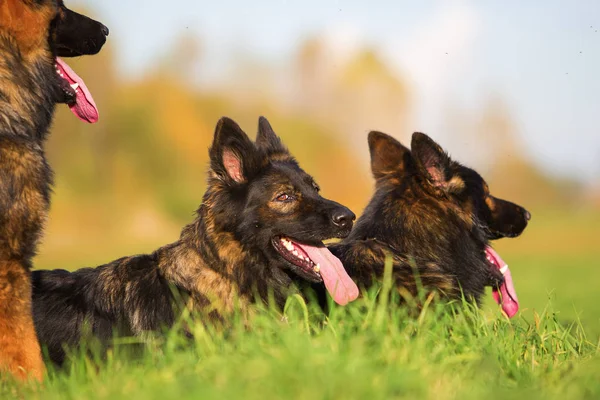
<point x="369" y="349"/>
<point x="570" y="282"/>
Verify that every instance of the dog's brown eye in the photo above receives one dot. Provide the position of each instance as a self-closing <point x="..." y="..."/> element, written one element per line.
<point x="283" y="197"/>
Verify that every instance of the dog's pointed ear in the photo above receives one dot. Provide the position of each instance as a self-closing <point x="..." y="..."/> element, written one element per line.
<point x="432" y="161"/>
<point x="232" y="154"/>
<point x="267" y="140"/>
<point x="388" y="155"/>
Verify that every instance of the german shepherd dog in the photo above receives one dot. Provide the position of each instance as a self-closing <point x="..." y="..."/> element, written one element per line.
<point x="261" y="222"/>
<point x="33" y="34"/>
<point x="435" y="218"/>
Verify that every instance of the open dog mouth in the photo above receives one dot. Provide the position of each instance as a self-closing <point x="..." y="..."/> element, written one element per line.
<point x="505" y="293"/>
<point x="295" y="255"/>
<point x="318" y="264"/>
<point x="83" y="105"/>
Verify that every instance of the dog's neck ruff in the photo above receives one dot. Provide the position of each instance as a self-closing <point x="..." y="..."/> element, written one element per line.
<point x="26" y="94"/>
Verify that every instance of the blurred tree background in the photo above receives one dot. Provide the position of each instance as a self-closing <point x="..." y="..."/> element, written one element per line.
<point x="129" y="183"/>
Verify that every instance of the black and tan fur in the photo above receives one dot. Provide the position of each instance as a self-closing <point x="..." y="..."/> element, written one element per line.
<point x="224" y="259"/>
<point x="32" y="34"/>
<point x="433" y="216"/>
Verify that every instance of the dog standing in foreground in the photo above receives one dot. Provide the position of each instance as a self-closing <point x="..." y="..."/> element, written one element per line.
<point x="261" y="223"/>
<point x="32" y="80"/>
<point x="435" y="218"/>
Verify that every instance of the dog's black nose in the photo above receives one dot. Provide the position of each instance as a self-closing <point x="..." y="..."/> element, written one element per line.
<point x="104" y="30"/>
<point x="527" y="214"/>
<point x="343" y="218"/>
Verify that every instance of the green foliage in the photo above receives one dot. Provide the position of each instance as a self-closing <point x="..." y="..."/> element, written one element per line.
<point x="369" y="349"/>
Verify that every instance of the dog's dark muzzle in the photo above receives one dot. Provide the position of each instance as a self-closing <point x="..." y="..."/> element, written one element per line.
<point x="78" y="35"/>
<point x="508" y="220"/>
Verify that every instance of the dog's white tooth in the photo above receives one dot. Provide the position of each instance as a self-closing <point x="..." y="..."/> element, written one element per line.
<point x="504" y="269"/>
<point x="317" y="267"/>
<point x="295" y="253"/>
<point x="75" y="85"/>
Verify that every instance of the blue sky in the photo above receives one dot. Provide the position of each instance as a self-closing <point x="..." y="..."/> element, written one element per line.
<point x="542" y="58"/>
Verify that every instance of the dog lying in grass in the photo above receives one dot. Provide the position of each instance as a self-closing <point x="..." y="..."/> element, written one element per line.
<point x="261" y="222"/>
<point x="435" y="218"/>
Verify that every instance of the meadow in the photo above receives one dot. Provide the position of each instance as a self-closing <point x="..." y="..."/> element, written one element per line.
<point x="375" y="349"/>
<point x="128" y="184"/>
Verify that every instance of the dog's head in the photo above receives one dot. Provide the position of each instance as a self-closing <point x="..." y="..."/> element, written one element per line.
<point x="274" y="208"/>
<point x="45" y="30"/>
<point x="452" y="187"/>
<point x="453" y="182"/>
<point x="437" y="209"/>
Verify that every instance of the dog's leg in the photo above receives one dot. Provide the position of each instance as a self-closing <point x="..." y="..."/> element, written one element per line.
<point x="24" y="191"/>
<point x="19" y="348"/>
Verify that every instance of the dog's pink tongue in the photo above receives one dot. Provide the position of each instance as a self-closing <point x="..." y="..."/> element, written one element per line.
<point x="84" y="108"/>
<point x="505" y="295"/>
<point x="339" y="285"/>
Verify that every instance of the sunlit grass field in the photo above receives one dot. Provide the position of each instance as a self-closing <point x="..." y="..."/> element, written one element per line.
<point x="558" y="258"/>
<point x="369" y="349"/>
<point x="374" y="349"/>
